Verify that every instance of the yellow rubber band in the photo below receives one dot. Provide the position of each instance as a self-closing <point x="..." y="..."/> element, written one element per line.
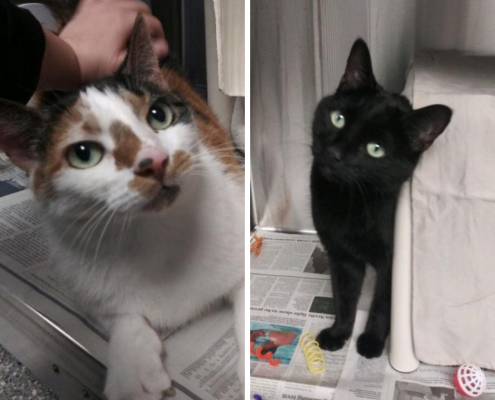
<point x="312" y="353"/>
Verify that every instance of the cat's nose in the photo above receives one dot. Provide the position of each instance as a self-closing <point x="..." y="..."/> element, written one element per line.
<point x="151" y="163"/>
<point x="335" y="154"/>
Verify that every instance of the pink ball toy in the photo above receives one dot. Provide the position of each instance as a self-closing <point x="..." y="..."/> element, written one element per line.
<point x="470" y="380"/>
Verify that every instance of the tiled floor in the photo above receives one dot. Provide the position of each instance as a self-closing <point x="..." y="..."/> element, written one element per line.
<point x="18" y="383"/>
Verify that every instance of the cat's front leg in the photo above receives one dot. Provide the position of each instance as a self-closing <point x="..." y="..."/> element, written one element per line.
<point x="238" y="301"/>
<point x="347" y="280"/>
<point x="372" y="341"/>
<point x="135" y="365"/>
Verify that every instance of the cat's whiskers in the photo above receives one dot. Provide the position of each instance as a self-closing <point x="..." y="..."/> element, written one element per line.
<point x="88" y="228"/>
<point x="78" y="219"/>
<point x="123" y="230"/>
<point x="89" y="234"/>
<point x="104" y="206"/>
<point x="208" y="155"/>
<point x="102" y="234"/>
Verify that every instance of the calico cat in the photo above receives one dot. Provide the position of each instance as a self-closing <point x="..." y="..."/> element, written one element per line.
<point x="139" y="184"/>
<point x="366" y="144"/>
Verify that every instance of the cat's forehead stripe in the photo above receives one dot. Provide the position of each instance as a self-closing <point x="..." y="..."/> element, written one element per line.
<point x="73" y="115"/>
<point x="139" y="104"/>
<point x="91" y="125"/>
<point x="127" y="144"/>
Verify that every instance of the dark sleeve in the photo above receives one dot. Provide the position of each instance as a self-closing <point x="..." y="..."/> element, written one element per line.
<point x="22" y="45"/>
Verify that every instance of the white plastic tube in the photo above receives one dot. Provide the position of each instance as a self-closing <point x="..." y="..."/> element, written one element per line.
<point x="402" y="357"/>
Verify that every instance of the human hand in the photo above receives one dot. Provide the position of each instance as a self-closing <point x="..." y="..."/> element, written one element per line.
<point x="99" y="32"/>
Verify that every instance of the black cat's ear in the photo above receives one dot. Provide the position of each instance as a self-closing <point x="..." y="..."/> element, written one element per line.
<point x="19" y="129"/>
<point x="358" y="72"/>
<point x="141" y="61"/>
<point x="424" y="125"/>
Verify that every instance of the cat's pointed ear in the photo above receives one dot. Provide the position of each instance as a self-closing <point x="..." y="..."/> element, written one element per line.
<point x="19" y="128"/>
<point x="424" y="125"/>
<point x="358" y="71"/>
<point x="141" y="61"/>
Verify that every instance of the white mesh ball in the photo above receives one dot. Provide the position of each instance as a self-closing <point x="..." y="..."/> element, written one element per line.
<point x="470" y="380"/>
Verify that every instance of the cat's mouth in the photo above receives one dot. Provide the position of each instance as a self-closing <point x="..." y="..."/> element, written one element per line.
<point x="165" y="197"/>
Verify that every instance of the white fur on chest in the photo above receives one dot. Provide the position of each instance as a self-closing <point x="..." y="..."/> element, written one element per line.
<point x="171" y="266"/>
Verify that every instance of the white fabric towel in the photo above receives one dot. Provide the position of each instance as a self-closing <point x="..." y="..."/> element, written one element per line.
<point x="453" y="215"/>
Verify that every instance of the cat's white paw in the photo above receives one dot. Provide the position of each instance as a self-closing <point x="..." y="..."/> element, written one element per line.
<point x="144" y="379"/>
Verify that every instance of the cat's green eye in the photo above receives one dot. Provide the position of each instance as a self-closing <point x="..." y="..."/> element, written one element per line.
<point x="338" y="119"/>
<point x="84" y="155"/>
<point x="160" y="116"/>
<point x="375" y="150"/>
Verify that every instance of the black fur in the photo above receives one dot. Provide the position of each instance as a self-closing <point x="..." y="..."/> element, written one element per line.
<point x="354" y="195"/>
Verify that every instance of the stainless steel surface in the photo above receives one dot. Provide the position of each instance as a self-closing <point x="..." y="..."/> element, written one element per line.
<point x="17" y="382"/>
<point x="59" y="363"/>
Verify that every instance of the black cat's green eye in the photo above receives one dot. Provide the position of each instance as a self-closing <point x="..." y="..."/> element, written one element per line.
<point x="375" y="150"/>
<point x="84" y="155"/>
<point x="160" y="116"/>
<point x="337" y="119"/>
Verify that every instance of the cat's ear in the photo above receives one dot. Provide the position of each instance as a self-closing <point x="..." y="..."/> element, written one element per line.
<point x="141" y="61"/>
<point x="424" y="125"/>
<point x="358" y="72"/>
<point x="19" y="128"/>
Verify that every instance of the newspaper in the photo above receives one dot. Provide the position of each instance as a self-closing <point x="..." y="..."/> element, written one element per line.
<point x="207" y="370"/>
<point x="291" y="293"/>
<point x="377" y="380"/>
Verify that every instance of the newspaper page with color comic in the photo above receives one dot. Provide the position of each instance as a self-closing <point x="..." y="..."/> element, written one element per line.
<point x="291" y="293"/>
<point x="207" y="370"/>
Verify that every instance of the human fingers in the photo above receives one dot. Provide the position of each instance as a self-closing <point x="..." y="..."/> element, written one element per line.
<point x="133" y="5"/>
<point x="154" y="26"/>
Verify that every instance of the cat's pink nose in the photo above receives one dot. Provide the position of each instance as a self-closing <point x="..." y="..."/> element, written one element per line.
<point x="151" y="162"/>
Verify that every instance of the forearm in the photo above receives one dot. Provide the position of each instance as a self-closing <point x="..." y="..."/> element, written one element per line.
<point x="60" y="67"/>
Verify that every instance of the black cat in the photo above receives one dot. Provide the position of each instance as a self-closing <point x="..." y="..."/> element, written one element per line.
<point x="366" y="144"/>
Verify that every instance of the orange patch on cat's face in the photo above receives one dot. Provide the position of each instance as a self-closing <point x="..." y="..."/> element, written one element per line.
<point x="53" y="161"/>
<point x="210" y="130"/>
<point x="127" y="145"/>
<point x="181" y="162"/>
<point x="139" y="104"/>
<point x="146" y="187"/>
<point x="158" y="196"/>
<point x="91" y="125"/>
